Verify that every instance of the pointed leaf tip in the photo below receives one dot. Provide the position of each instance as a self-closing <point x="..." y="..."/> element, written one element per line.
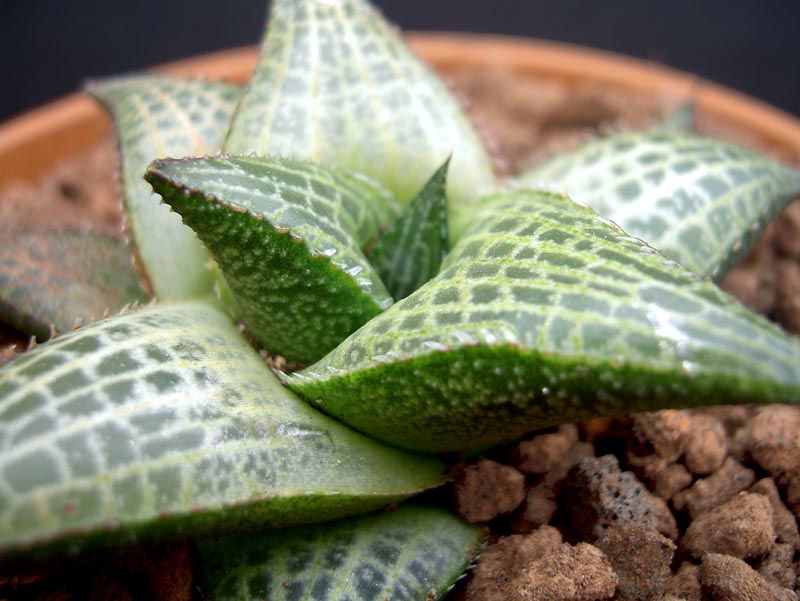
<point x="546" y="314"/>
<point x="287" y="235"/>
<point x="336" y="84"/>
<point x="411" y="251"/>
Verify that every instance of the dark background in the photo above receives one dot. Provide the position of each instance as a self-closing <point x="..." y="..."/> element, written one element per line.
<point x="49" y="47"/>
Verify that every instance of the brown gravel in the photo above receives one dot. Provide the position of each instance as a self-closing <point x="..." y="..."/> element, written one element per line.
<point x="742" y="527"/>
<point x="685" y="583"/>
<point x="727" y="578"/>
<point x="488" y="489"/>
<point x="597" y="495"/>
<point x="707" y="493"/>
<point x="539" y="567"/>
<point x="783" y="521"/>
<point x="641" y="559"/>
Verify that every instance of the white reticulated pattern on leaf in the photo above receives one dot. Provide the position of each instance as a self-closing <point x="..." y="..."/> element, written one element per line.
<point x="336" y="84"/>
<point x="161" y="413"/>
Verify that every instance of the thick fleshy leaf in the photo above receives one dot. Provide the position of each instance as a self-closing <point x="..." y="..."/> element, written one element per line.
<point x="547" y="313"/>
<point x="411" y="251"/>
<point x="158" y="117"/>
<point x="287" y="236"/>
<point x="165" y="421"/>
<point x="413" y="553"/>
<point x="700" y="201"/>
<point x="56" y="280"/>
<point x="335" y="84"/>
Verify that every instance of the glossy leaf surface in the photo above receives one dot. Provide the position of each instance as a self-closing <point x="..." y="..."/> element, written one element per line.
<point x="547" y="313"/>
<point x="700" y="201"/>
<point x="52" y="279"/>
<point x="336" y="84"/>
<point x="411" y="251"/>
<point x="165" y="421"/>
<point x="287" y="236"/>
<point x="410" y="554"/>
<point x="158" y="117"/>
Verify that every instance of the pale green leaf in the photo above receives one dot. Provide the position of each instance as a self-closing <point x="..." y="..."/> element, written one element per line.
<point x="547" y="313"/>
<point x="166" y="422"/>
<point x="336" y="84"/>
<point x="57" y="279"/>
<point x="158" y="117"/>
<point x="411" y="251"/>
<point x="414" y="553"/>
<point x="700" y="201"/>
<point x="287" y="236"/>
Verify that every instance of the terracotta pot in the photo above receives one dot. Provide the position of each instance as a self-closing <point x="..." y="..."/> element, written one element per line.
<point x="34" y="142"/>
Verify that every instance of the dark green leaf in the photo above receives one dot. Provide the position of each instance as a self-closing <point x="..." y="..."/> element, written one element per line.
<point x="165" y="422"/>
<point x="52" y="279"/>
<point x="546" y="313"/>
<point x="287" y="236"/>
<point x="411" y="251"/>
<point x="413" y="553"/>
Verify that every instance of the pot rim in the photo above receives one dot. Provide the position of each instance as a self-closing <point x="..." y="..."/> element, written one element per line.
<point x="39" y="139"/>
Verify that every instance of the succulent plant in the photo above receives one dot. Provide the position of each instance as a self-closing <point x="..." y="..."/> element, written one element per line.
<point x="344" y="212"/>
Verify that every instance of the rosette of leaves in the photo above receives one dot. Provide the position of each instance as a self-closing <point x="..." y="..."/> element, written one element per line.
<point x="344" y="212"/>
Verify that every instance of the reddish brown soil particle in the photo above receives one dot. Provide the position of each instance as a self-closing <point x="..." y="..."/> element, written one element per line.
<point x="685" y="583"/>
<point x="742" y="527"/>
<point x="664" y="432"/>
<point x="773" y="440"/>
<point x="488" y="489"/>
<point x="663" y="478"/>
<point x="542" y="453"/>
<point x="727" y="578"/>
<point x="641" y="559"/>
<point x="707" y="493"/>
<point x="541" y="499"/>
<point x="705" y="444"/>
<point x="539" y="567"/>
<point x="777" y="566"/>
<point x="598" y="495"/>
<point x="783" y="522"/>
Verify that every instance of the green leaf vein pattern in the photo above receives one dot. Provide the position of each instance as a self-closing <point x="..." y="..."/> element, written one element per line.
<point x="157" y="116"/>
<point x="335" y="84"/>
<point x="547" y="313"/>
<point x="165" y="421"/>
<point x="411" y="251"/>
<point x="287" y="237"/>
<point x="701" y="202"/>
<point x="409" y="554"/>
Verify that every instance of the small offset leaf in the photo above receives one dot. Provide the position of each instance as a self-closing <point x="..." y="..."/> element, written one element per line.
<point x="159" y="117"/>
<point x="546" y="313"/>
<point x="335" y="84"/>
<point x="412" y="553"/>
<point x="700" y="201"/>
<point x="53" y="279"/>
<point x="287" y="237"/>
<point x="411" y="251"/>
<point x="166" y="422"/>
